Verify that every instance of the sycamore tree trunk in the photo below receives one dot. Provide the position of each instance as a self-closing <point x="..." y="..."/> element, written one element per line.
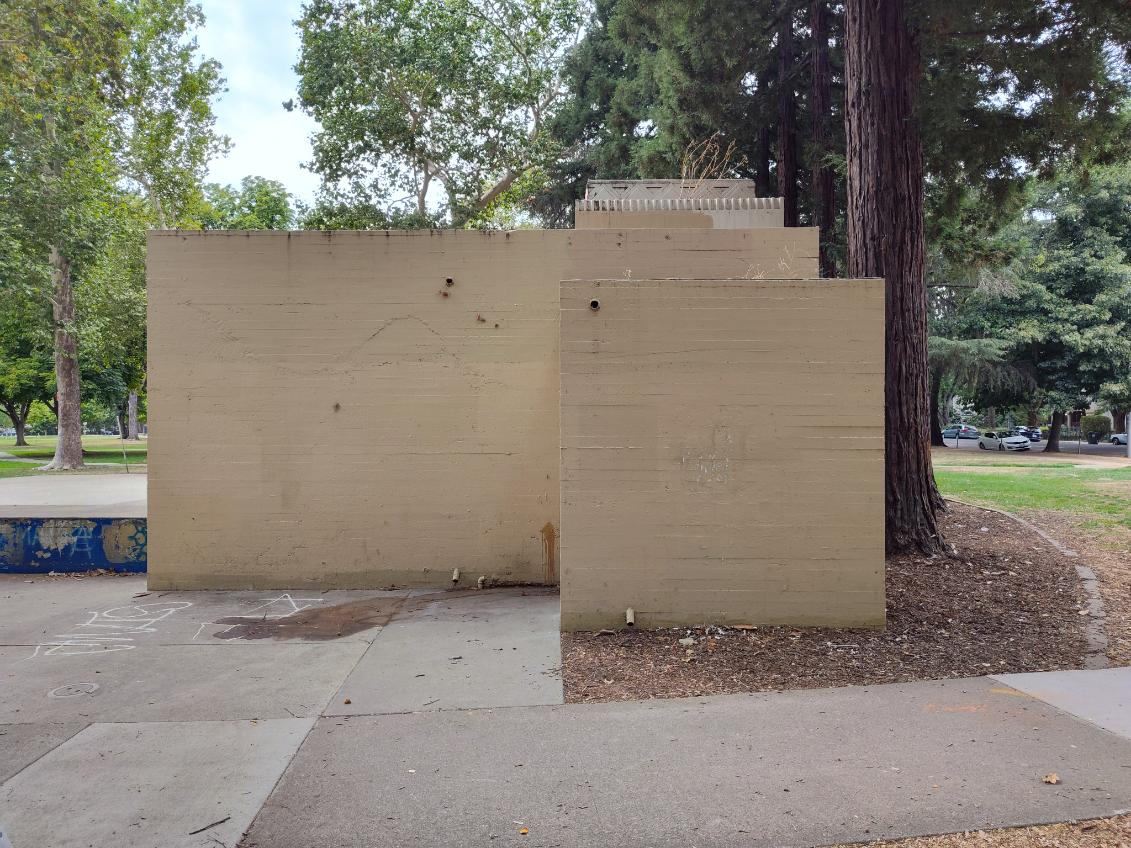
<point x="68" y="449"/>
<point x="131" y="417"/>
<point x="1053" y="443"/>
<point x="820" y="105"/>
<point x="885" y="239"/>
<point x="18" y="413"/>
<point x="937" y="439"/>
<point x="787" y="122"/>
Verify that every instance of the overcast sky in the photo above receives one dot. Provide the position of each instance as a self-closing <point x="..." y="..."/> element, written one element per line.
<point x="257" y="44"/>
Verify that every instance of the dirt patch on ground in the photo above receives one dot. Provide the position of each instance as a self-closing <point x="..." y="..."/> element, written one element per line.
<point x="1008" y="602"/>
<point x="1105" y="547"/>
<point x="1099" y="833"/>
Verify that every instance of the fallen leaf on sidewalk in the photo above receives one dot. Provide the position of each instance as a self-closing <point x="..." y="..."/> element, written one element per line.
<point x="522" y="831"/>
<point x="1051" y="777"/>
<point x="347" y="701"/>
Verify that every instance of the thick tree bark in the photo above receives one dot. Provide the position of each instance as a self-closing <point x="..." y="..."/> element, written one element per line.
<point x="885" y="239"/>
<point x="68" y="448"/>
<point x="787" y="122"/>
<point x="18" y="414"/>
<point x="1053" y="443"/>
<point x="937" y="439"/>
<point x="820" y="105"/>
<point x="131" y="417"/>
<point x="762" y="166"/>
<point x="991" y="417"/>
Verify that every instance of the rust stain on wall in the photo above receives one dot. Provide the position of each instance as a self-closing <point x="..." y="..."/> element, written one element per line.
<point x="549" y="553"/>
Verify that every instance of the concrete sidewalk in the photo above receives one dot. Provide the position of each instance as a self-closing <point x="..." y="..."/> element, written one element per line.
<point x="392" y="718"/>
<point x="48" y="495"/>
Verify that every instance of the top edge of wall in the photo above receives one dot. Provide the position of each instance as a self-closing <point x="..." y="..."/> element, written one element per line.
<point x="678" y="204"/>
<point x="699" y="281"/>
<point x="677" y="188"/>
<point x="431" y="233"/>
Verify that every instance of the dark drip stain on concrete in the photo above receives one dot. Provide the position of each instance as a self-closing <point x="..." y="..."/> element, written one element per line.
<point x="323" y="623"/>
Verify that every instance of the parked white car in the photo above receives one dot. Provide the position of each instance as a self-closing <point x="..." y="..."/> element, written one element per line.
<point x="1003" y="441"/>
<point x="1119" y="438"/>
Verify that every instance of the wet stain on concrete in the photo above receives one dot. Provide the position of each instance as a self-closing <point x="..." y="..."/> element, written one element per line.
<point x="549" y="553"/>
<point x="333" y="622"/>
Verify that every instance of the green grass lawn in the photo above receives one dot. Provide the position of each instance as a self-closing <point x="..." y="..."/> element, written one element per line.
<point x="94" y="449"/>
<point x="11" y="468"/>
<point x="1085" y="491"/>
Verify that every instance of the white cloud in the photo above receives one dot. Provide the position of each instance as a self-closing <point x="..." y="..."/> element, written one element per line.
<point x="257" y="44"/>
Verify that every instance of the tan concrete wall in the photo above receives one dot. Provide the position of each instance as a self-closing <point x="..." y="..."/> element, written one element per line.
<point x="722" y="452"/>
<point x="719" y="219"/>
<point x="321" y="415"/>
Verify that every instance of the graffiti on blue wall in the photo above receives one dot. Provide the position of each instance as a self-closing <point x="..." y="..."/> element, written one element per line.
<point x="40" y="545"/>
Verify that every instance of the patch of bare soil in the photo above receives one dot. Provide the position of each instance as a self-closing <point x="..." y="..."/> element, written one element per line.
<point x="1098" y="833"/>
<point x="1106" y="548"/>
<point x="1007" y="602"/>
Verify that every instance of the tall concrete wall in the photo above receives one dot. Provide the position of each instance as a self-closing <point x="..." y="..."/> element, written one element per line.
<point x="722" y="452"/>
<point x="326" y="411"/>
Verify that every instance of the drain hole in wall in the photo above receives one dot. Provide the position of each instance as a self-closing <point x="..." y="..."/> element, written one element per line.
<point x="594" y="305"/>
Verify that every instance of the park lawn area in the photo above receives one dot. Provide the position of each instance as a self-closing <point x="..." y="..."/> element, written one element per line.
<point x="12" y="468"/>
<point x="1103" y="493"/>
<point x="94" y="449"/>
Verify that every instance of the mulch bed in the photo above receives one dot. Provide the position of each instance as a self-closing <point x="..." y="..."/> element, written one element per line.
<point x="1005" y="602"/>
<point x="1097" y="833"/>
<point x="1106" y="549"/>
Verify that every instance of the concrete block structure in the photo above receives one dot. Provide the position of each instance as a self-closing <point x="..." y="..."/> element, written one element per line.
<point x="664" y="410"/>
<point x="366" y="409"/>
<point x="714" y="204"/>
<point x="722" y="452"/>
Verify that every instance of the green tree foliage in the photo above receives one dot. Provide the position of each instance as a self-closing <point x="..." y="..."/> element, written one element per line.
<point x="1067" y="317"/>
<point x="99" y="100"/>
<point x="258" y="204"/>
<point x="454" y="95"/>
<point x="26" y="367"/>
<point x="165" y="125"/>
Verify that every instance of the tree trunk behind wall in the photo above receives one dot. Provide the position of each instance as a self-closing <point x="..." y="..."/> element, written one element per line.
<point x="885" y="239"/>
<point x="68" y="449"/>
<point x="762" y="166"/>
<point x="131" y="417"/>
<point x="937" y="439"/>
<point x="787" y="122"/>
<point x="820" y="102"/>
<point x="1053" y="443"/>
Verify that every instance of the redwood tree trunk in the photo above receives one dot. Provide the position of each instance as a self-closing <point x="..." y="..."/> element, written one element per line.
<point x="937" y="439"/>
<point x="131" y="417"/>
<point x="762" y="167"/>
<point x="1053" y="444"/>
<point x="68" y="449"/>
<point x="885" y="239"/>
<point x="820" y="103"/>
<point x="787" y="122"/>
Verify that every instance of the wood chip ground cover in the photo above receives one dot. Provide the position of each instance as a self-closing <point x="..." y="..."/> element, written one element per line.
<point x="1100" y="833"/>
<point x="1007" y="602"/>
